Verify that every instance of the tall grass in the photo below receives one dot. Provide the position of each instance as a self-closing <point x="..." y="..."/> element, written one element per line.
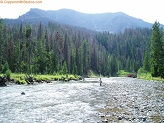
<point x="122" y="73"/>
<point x="142" y="74"/>
<point x="21" y="78"/>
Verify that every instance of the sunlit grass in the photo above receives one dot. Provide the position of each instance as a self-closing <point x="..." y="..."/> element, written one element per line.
<point x="122" y="73"/>
<point x="147" y="76"/>
<point x="55" y="77"/>
<point x="21" y="78"/>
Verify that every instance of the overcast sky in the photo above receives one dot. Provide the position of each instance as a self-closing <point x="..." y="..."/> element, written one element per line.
<point x="148" y="10"/>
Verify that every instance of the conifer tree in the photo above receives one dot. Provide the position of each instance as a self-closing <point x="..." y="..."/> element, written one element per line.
<point x="146" y="62"/>
<point x="157" y="51"/>
<point x="1" y="44"/>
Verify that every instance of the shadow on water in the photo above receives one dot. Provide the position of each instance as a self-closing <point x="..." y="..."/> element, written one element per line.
<point x="117" y="100"/>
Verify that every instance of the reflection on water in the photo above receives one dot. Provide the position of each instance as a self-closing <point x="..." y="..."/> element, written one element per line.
<point x="117" y="100"/>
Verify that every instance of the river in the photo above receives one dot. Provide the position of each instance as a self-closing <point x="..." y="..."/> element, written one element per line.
<point x="119" y="99"/>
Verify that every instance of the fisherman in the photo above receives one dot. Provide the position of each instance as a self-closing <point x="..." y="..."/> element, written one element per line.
<point x="100" y="81"/>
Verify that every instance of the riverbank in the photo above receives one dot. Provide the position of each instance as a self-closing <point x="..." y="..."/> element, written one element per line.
<point x="122" y="73"/>
<point x="30" y="79"/>
<point x="148" y="76"/>
<point x="140" y="75"/>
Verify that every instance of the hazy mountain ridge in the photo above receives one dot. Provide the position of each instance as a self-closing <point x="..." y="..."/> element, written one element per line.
<point x="112" y="22"/>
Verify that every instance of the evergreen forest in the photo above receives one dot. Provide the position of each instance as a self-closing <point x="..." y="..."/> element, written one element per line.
<point x="57" y="48"/>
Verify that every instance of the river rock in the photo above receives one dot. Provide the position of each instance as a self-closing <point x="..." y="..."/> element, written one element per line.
<point x="102" y="115"/>
<point x="23" y="93"/>
<point x="3" y="81"/>
<point x="105" y="121"/>
<point x="120" y="118"/>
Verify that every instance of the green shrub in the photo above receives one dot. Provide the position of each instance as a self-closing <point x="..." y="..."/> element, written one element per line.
<point x="143" y="74"/>
<point x="122" y="73"/>
<point x="8" y="74"/>
<point x="20" y="81"/>
<point x="5" y="67"/>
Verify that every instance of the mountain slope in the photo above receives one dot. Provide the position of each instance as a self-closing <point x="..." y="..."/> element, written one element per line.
<point x="112" y="22"/>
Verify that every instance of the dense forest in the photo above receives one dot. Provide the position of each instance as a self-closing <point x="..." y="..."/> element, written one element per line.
<point x="56" y="48"/>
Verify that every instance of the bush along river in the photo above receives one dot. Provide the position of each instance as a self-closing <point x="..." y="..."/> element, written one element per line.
<point x="118" y="99"/>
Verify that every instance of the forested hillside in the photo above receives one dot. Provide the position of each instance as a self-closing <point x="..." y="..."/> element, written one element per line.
<point x="56" y="48"/>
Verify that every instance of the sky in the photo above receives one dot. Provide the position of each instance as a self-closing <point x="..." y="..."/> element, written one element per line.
<point x="147" y="10"/>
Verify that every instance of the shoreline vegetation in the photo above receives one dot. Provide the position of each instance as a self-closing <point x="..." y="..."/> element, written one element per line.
<point x="143" y="74"/>
<point x="18" y="78"/>
<point x="25" y="79"/>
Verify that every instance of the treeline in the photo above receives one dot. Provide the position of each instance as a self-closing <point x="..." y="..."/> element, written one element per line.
<point x="126" y="50"/>
<point x="55" y="48"/>
<point x="154" y="54"/>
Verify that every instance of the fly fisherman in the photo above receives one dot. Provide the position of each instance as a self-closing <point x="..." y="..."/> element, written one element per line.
<point x="100" y="81"/>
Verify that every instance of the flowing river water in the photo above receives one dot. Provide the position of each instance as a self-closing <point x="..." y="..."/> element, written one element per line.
<point x="119" y="99"/>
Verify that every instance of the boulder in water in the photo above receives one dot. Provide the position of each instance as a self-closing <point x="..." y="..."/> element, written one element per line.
<point x="3" y="81"/>
<point x="23" y="93"/>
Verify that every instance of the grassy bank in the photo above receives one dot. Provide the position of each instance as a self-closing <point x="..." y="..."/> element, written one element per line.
<point x="24" y="79"/>
<point x="122" y="73"/>
<point x="142" y="74"/>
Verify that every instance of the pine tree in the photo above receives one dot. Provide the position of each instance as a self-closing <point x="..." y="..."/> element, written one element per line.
<point x="114" y="66"/>
<point x="29" y="46"/>
<point x="64" y="69"/>
<point x="157" y="51"/>
<point x="161" y="69"/>
<point x="146" y="62"/>
<point x="1" y="45"/>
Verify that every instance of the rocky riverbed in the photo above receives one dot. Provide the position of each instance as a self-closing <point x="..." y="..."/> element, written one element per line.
<point x="133" y="100"/>
<point x="118" y="100"/>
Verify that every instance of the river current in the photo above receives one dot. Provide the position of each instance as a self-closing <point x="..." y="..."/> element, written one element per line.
<point x="119" y="99"/>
